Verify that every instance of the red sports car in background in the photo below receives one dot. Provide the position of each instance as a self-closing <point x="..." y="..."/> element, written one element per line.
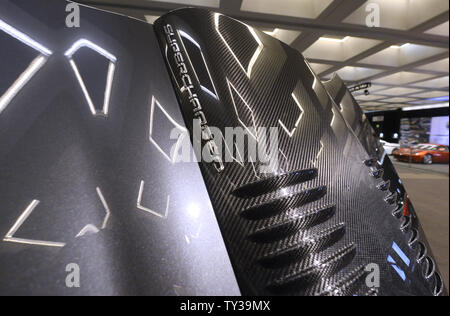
<point x="423" y="153"/>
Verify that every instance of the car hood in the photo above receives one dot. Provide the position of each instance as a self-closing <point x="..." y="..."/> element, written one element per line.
<point x="324" y="213"/>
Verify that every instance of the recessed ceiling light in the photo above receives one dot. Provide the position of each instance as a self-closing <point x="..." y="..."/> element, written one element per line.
<point x="272" y="33"/>
<point x="424" y="107"/>
<point x="339" y="40"/>
<point x="400" y="46"/>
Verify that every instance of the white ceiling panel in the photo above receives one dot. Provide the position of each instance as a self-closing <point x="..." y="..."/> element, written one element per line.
<point x="439" y="30"/>
<point x="377" y="87"/>
<point x="350" y="73"/>
<point x="298" y="8"/>
<point x="327" y="48"/>
<point x="396" y="106"/>
<point x="430" y="94"/>
<point x="286" y="36"/>
<point x="433" y="83"/>
<point x="397" y="56"/>
<point x="400" y="100"/>
<point x="400" y="14"/>
<point x="440" y="65"/>
<point x="372" y="104"/>
<point x="403" y="77"/>
<point x="370" y="97"/>
<point x="399" y="91"/>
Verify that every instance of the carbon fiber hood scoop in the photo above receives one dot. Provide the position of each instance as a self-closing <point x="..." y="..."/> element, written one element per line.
<point x="311" y="225"/>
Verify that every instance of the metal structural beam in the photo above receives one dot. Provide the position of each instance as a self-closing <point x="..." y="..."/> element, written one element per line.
<point x="328" y="23"/>
<point x="325" y="26"/>
<point x="335" y="12"/>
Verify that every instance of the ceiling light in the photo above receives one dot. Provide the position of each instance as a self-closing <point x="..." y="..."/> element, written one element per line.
<point x="272" y="33"/>
<point x="335" y="39"/>
<point x="399" y="46"/>
<point x="425" y="107"/>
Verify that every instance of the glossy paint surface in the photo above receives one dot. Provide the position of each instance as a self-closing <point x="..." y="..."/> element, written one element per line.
<point x="86" y="172"/>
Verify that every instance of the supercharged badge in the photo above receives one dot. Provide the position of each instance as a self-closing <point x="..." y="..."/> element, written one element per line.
<point x="187" y="85"/>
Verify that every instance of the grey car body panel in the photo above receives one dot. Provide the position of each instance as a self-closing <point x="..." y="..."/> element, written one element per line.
<point x="55" y="151"/>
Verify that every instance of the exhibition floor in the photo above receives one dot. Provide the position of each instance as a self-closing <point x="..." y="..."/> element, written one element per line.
<point x="436" y="168"/>
<point x="428" y="188"/>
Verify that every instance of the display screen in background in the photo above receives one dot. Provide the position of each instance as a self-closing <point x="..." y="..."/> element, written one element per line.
<point x="439" y="130"/>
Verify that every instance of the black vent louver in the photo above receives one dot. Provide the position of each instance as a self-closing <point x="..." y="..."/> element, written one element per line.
<point x="272" y="184"/>
<point x="309" y="268"/>
<point x="279" y="205"/>
<point x="345" y="286"/>
<point x="301" y="249"/>
<point x="314" y="270"/>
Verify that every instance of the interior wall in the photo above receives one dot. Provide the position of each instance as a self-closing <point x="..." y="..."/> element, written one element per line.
<point x="391" y="123"/>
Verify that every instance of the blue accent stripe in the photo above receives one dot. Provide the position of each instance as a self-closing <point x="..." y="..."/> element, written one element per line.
<point x="391" y="260"/>
<point x="401" y="254"/>
<point x="399" y="271"/>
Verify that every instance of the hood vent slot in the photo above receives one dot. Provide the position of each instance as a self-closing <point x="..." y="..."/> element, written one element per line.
<point x="301" y="249"/>
<point x="308" y="255"/>
<point x="277" y="206"/>
<point x="317" y="269"/>
<point x="346" y="286"/>
<point x="275" y="183"/>
<point x="284" y="229"/>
